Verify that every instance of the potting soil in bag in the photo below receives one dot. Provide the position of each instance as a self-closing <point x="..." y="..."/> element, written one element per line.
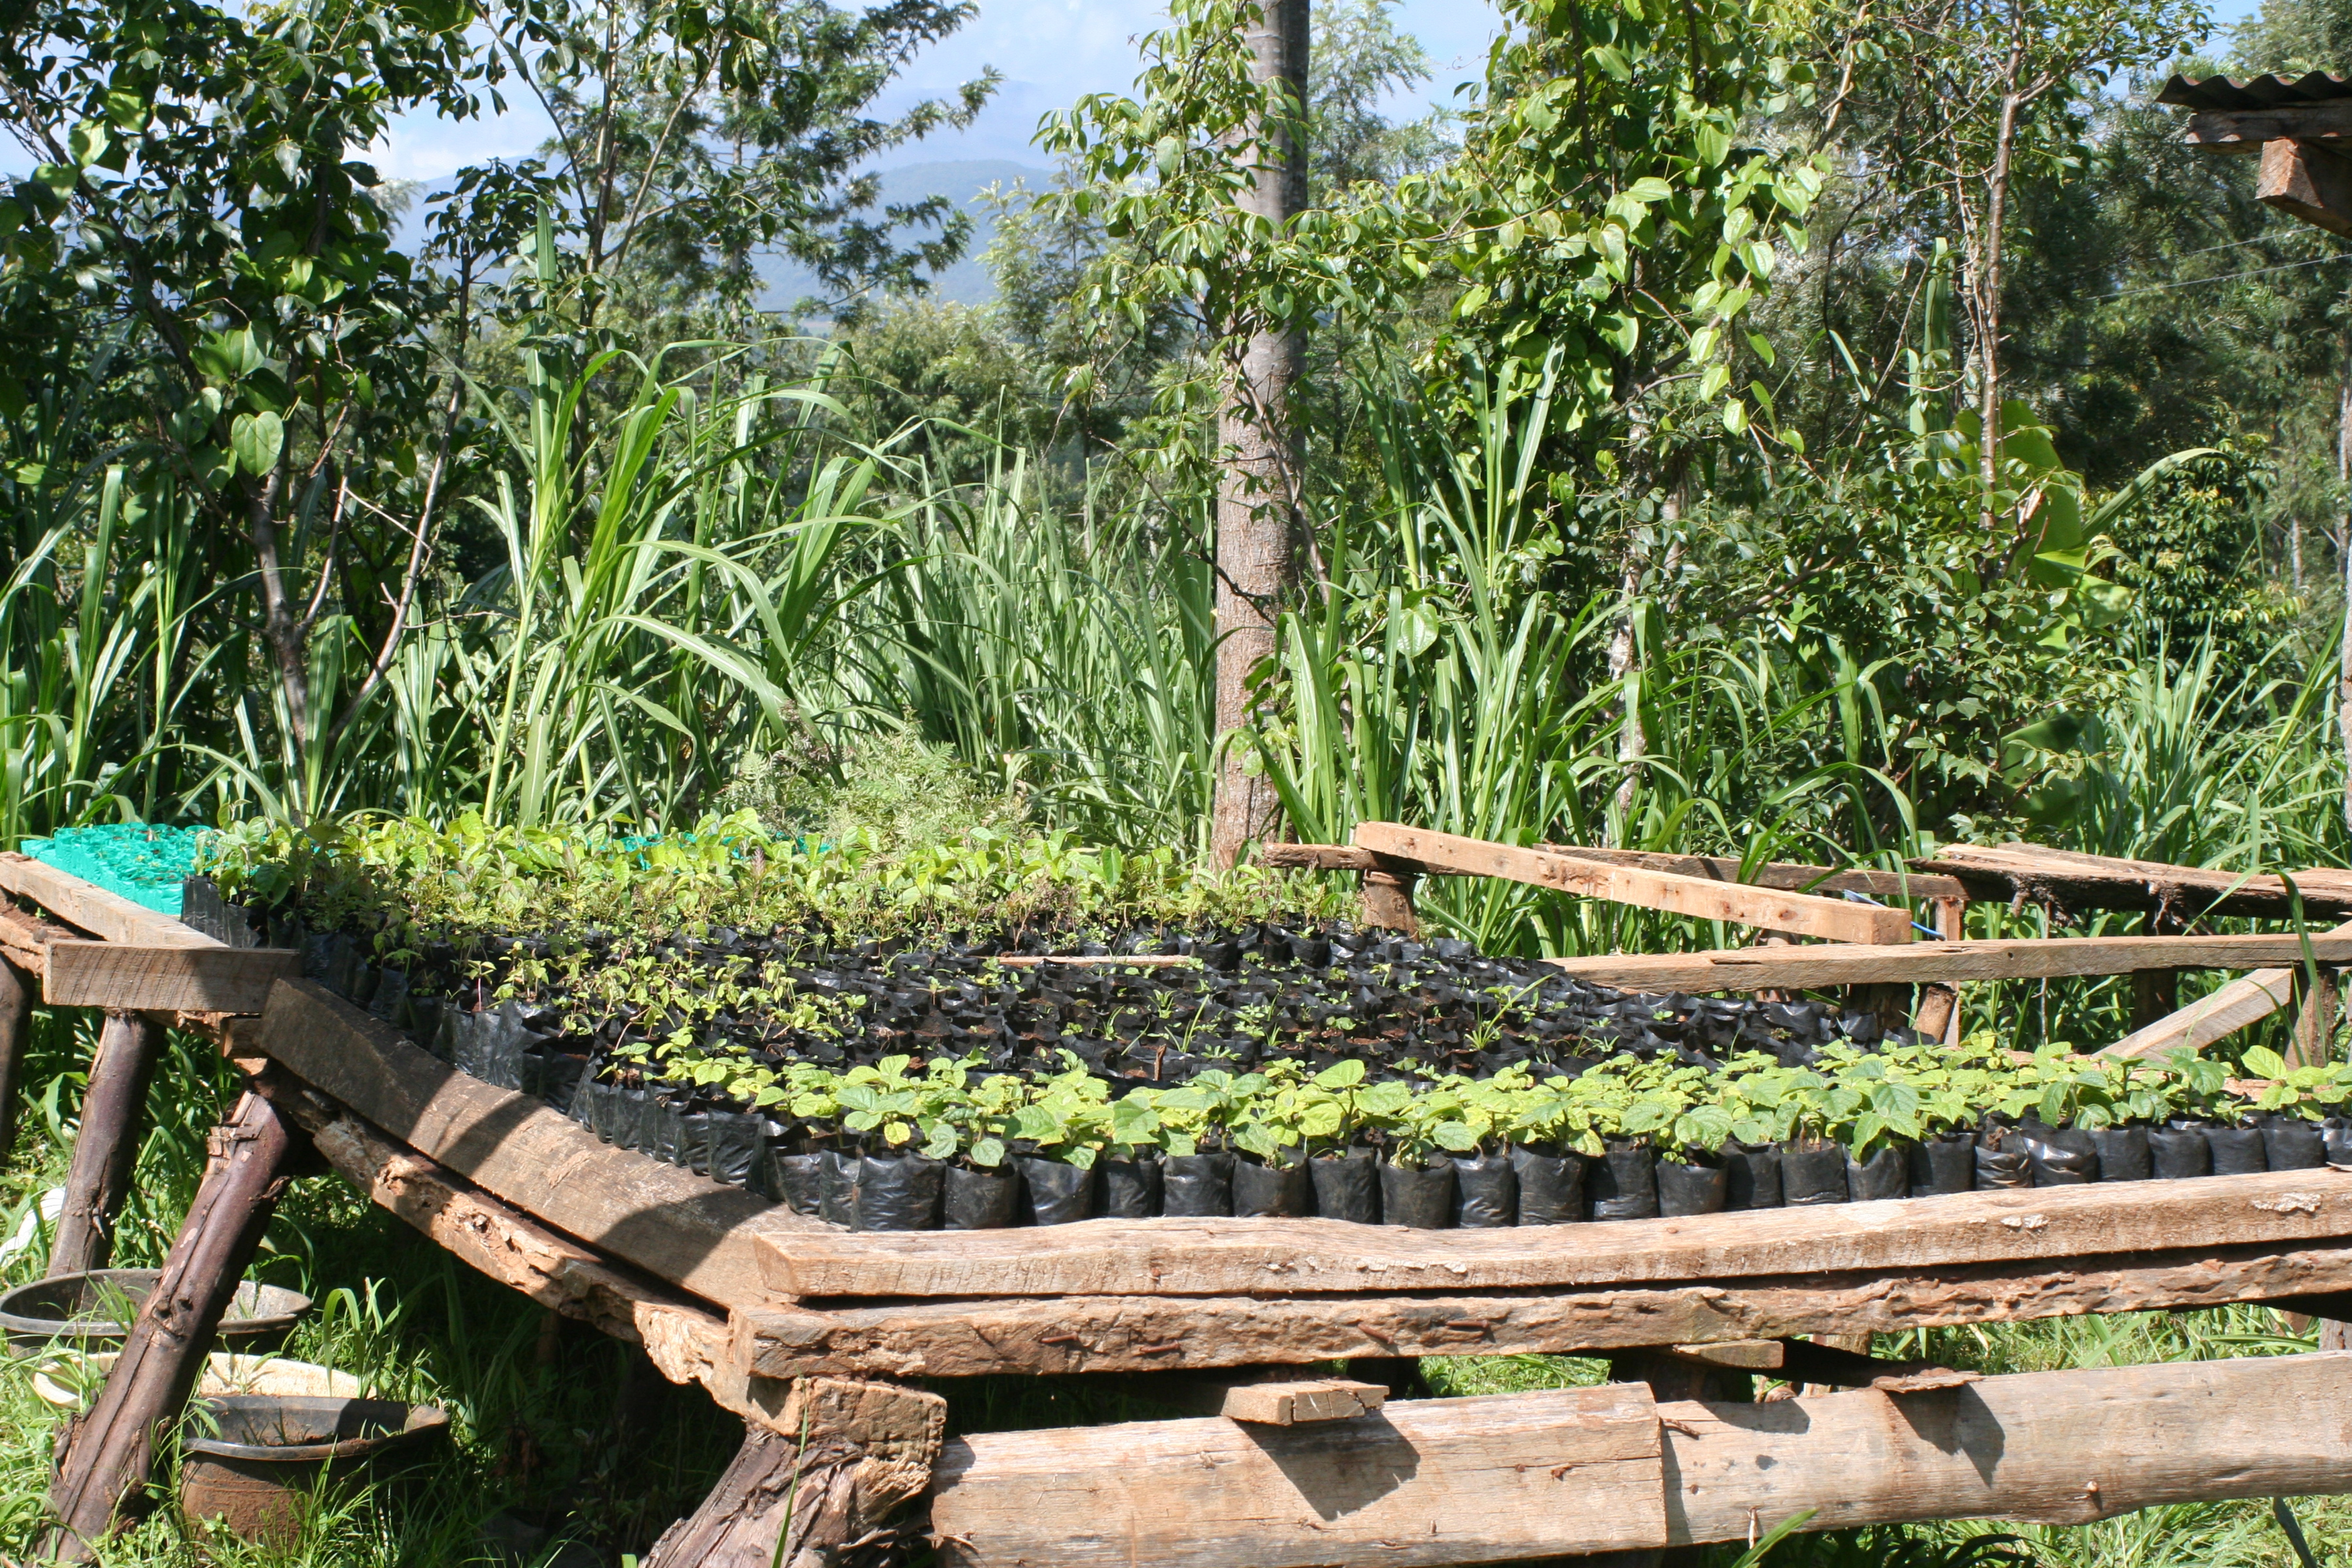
<point x="1419" y="1196"/>
<point x="980" y="1199"/>
<point x="1272" y="1192"/>
<point x="2335" y="1137"/>
<point x="898" y="1191"/>
<point x="1811" y="1174"/>
<point x="799" y="1181"/>
<point x="2237" y="1151"/>
<point x="734" y="1142"/>
<point x="1751" y="1175"/>
<point x="1686" y="1187"/>
<point x="1347" y="1186"/>
<point x="2123" y="1155"/>
<point x="836" y="1188"/>
<point x="2179" y="1149"/>
<point x="1054" y="1193"/>
<point x="391" y="995"/>
<point x="1944" y="1164"/>
<point x="1886" y="1175"/>
<point x="1551" y="1187"/>
<point x="1623" y="1183"/>
<point x="2002" y="1164"/>
<point x="1196" y="1186"/>
<point x="2291" y="1143"/>
<point x="1131" y="1188"/>
<point x="2059" y="1156"/>
<point x="1485" y="1192"/>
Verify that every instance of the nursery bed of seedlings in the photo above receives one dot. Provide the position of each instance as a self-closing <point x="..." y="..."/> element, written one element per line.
<point x="1095" y="1050"/>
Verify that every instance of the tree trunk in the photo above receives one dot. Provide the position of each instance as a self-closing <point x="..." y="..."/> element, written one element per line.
<point x="104" y="1458"/>
<point x="2343" y="564"/>
<point x="1257" y="491"/>
<point x="17" y="992"/>
<point x="106" y="1145"/>
<point x="1989" y="298"/>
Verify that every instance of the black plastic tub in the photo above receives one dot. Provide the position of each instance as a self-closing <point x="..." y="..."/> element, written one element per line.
<point x="92" y="1311"/>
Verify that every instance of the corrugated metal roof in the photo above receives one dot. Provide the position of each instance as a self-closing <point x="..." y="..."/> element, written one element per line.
<point x="2255" y="92"/>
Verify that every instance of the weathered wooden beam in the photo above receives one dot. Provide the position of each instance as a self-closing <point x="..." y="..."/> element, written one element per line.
<point x="2246" y="129"/>
<point x="2059" y="1447"/>
<point x="140" y="978"/>
<point x="1261" y="1256"/>
<point x="2035" y="873"/>
<point x="105" y="1456"/>
<point x="2223" y="1012"/>
<point x="695" y="1232"/>
<point x="837" y="1460"/>
<point x="1739" y="903"/>
<point x="1139" y="1333"/>
<point x="2307" y="179"/>
<point x="107" y="916"/>
<point x="1318" y="857"/>
<point x="25" y="939"/>
<point x="1508" y="1477"/>
<point x="1783" y="876"/>
<point x="1432" y="1481"/>
<point x="106" y="1143"/>
<point x="1826" y="965"/>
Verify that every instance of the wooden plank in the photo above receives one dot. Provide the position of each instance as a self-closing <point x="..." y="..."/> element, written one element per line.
<point x="2308" y="181"/>
<point x="2246" y="129"/>
<point x="107" y="916"/>
<point x="1744" y="1356"/>
<point x="2039" y="874"/>
<point x="1427" y="1481"/>
<point x="1265" y="1256"/>
<point x="1145" y="1333"/>
<point x="1801" y="913"/>
<point x="1269" y="1401"/>
<point x="2058" y="1448"/>
<point x="695" y="1232"/>
<point x="1508" y="1477"/>
<point x="142" y="978"/>
<point x="1784" y="876"/>
<point x="1796" y="968"/>
<point x="1316" y="857"/>
<point x="2246" y="1000"/>
<point x="25" y="939"/>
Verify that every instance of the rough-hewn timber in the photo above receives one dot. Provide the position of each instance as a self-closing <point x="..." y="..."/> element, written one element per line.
<point x="1921" y="962"/>
<point x="2036" y="874"/>
<point x="143" y="978"/>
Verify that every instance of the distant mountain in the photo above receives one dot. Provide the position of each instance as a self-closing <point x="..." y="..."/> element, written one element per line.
<point x="961" y="182"/>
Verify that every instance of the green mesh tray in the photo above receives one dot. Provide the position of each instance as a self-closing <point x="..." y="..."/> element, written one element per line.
<point x="143" y="862"/>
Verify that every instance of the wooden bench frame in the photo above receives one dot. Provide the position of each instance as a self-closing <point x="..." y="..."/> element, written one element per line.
<point x="809" y="1334"/>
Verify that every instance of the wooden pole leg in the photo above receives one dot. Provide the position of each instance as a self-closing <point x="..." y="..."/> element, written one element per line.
<point x="814" y="1480"/>
<point x="104" y="1458"/>
<point x="2315" y="1019"/>
<point x="1387" y="901"/>
<point x="17" y="994"/>
<point x="108" y="1144"/>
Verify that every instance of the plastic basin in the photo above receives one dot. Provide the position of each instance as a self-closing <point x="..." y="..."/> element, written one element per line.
<point x="254" y="1462"/>
<point x="92" y="1311"/>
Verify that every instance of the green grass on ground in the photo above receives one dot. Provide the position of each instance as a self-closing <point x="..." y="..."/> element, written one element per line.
<point x="568" y="1454"/>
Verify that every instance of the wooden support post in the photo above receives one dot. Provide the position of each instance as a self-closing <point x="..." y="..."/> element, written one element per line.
<point x="2315" y="1021"/>
<point x="108" y="1144"/>
<point x="818" y="1479"/>
<point x="17" y="992"/>
<point x="2156" y="992"/>
<point x="1388" y="900"/>
<point x="104" y="1458"/>
<point x="1938" y="1017"/>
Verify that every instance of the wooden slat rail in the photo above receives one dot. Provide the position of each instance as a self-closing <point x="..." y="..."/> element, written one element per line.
<point x="1517" y="1477"/>
<point x="1055" y="1334"/>
<point x="2223" y="1012"/>
<point x="1923" y="963"/>
<point x="1800" y="914"/>
<point x="142" y="962"/>
<point x="1780" y="875"/>
<point x="107" y="916"/>
<point x="2037" y="874"/>
<point x="694" y="1233"/>
<point x="1265" y="1256"/>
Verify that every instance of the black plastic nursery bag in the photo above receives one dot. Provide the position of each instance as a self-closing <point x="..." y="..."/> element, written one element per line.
<point x="2124" y="1152"/>
<point x="1751" y="1175"/>
<point x="1551" y="1187"/>
<point x="1197" y="1186"/>
<point x="1811" y="1173"/>
<point x="2181" y="1149"/>
<point x="1272" y="1192"/>
<point x="1055" y="1192"/>
<point x="1886" y="1175"/>
<point x="1623" y="1183"/>
<point x="2238" y="1151"/>
<point x="979" y="1199"/>
<point x="1687" y="1187"/>
<point x="2293" y="1143"/>
<point x="1421" y="1196"/>
<point x="1944" y="1164"/>
<point x="1347" y="1186"/>
<point x="898" y="1191"/>
<point x="1131" y="1188"/>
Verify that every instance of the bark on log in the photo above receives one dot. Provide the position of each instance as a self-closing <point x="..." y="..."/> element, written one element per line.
<point x="17" y="992"/>
<point x="807" y="1492"/>
<point x="1506" y="1479"/>
<point x="104" y="1457"/>
<point x="106" y="1146"/>
<point x="1387" y="901"/>
<point x="1136" y="1333"/>
<point x="1293" y="1256"/>
<point x="2068" y="879"/>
